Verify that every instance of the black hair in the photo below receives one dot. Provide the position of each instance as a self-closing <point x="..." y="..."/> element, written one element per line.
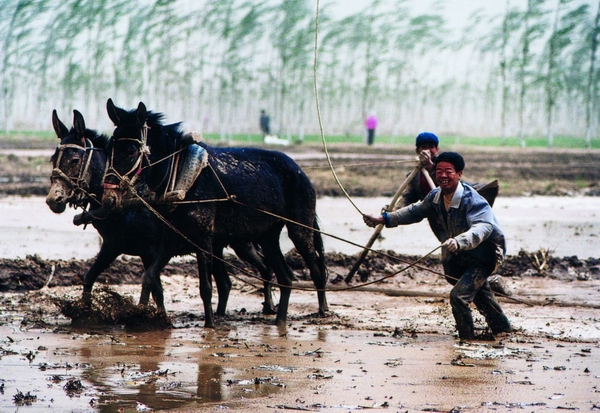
<point x="453" y="158"/>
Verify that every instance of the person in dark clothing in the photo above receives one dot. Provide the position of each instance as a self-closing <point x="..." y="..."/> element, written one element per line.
<point x="265" y="123"/>
<point x="473" y="244"/>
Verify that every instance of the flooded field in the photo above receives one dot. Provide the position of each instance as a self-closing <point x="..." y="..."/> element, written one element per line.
<point x="375" y="351"/>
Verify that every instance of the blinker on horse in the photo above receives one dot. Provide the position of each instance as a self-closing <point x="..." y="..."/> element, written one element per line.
<point x="243" y="195"/>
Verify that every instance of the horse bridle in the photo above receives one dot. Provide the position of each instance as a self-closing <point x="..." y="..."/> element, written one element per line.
<point x="82" y="179"/>
<point x="130" y="176"/>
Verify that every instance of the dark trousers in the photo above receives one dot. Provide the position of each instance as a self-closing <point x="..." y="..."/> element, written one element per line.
<point x="468" y="271"/>
<point x="371" y="136"/>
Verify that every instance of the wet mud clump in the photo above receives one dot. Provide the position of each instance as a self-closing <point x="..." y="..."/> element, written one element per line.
<point x="109" y="308"/>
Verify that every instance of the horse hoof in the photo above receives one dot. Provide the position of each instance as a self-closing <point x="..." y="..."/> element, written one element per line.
<point x="268" y="310"/>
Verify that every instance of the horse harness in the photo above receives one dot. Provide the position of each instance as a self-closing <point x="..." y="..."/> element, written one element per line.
<point x="129" y="178"/>
<point x="136" y="169"/>
<point x="82" y="179"/>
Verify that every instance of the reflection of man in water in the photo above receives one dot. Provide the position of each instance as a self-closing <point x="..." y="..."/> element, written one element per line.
<point x="265" y="122"/>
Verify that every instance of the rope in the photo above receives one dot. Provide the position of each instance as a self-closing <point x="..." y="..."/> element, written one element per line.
<point x="187" y="239"/>
<point x="319" y="115"/>
<point x="233" y="198"/>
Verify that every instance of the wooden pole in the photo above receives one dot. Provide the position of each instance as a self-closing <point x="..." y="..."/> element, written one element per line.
<point x="432" y="185"/>
<point x="379" y="227"/>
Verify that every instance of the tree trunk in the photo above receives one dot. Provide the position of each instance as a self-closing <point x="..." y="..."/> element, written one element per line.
<point x="522" y="72"/>
<point x="550" y="101"/>
<point x="504" y="72"/>
<point x="591" y="86"/>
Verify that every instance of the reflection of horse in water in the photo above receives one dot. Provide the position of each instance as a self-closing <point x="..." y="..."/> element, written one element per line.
<point x="135" y="368"/>
<point x="79" y="163"/>
<point x="243" y="195"/>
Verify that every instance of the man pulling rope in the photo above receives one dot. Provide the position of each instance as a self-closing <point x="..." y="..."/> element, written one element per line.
<point x="473" y="244"/>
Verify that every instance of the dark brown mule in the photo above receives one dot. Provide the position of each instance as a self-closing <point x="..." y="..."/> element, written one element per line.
<point x="243" y="195"/>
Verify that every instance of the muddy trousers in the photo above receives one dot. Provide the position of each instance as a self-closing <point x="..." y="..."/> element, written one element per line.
<point x="468" y="271"/>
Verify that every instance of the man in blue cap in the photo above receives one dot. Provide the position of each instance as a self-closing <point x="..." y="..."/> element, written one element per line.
<point x="473" y="244"/>
<point x="427" y="149"/>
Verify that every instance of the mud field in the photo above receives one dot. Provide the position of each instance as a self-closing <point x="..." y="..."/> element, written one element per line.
<point x="389" y="346"/>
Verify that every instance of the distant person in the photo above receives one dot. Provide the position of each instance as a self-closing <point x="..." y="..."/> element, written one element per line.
<point x="371" y="125"/>
<point x="473" y="244"/>
<point x="265" y="123"/>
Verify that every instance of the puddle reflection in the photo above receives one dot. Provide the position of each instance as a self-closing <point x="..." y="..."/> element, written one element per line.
<point x="168" y="370"/>
<point x="127" y="372"/>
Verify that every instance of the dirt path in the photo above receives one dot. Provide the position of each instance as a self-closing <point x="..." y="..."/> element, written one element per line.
<point x="377" y="170"/>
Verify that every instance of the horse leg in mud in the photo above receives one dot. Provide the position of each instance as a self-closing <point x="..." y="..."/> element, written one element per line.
<point x="104" y="258"/>
<point x="151" y="280"/>
<point x="157" y="290"/>
<point x="310" y="246"/>
<point x="248" y="253"/>
<point x="205" y="262"/>
<point x="284" y="274"/>
<point x="222" y="280"/>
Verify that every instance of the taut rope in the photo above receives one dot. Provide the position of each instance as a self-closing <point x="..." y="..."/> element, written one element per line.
<point x="319" y="114"/>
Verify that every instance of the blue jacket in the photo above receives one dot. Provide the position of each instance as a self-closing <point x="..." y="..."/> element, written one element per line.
<point x="470" y="220"/>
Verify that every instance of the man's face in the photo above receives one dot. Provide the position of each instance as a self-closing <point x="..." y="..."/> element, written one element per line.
<point x="431" y="147"/>
<point x="447" y="177"/>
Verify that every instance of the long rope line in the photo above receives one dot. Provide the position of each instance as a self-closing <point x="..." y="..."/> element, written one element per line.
<point x="232" y="198"/>
<point x="291" y="287"/>
<point x="319" y="114"/>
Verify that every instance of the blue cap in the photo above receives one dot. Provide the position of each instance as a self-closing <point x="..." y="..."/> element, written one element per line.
<point x="427" y="137"/>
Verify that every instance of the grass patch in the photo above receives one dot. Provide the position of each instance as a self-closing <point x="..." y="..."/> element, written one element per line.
<point x="25" y="139"/>
<point x="561" y="142"/>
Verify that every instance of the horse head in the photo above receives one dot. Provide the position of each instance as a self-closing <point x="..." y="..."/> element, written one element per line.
<point x="132" y="166"/>
<point x="76" y="170"/>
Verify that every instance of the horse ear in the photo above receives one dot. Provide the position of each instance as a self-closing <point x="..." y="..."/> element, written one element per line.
<point x="78" y="123"/>
<point x="113" y="112"/>
<point x="59" y="128"/>
<point x="141" y="113"/>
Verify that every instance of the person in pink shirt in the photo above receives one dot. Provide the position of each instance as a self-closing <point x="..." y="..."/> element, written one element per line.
<point x="371" y="124"/>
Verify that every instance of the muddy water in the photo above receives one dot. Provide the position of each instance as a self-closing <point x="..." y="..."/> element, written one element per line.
<point x="350" y="362"/>
<point x="181" y="371"/>
<point x="567" y="226"/>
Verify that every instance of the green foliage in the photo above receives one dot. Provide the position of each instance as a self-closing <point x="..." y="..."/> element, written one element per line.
<point x="224" y="60"/>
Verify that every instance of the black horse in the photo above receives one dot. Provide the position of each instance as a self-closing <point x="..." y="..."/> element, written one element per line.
<point x="244" y="194"/>
<point x="78" y="171"/>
